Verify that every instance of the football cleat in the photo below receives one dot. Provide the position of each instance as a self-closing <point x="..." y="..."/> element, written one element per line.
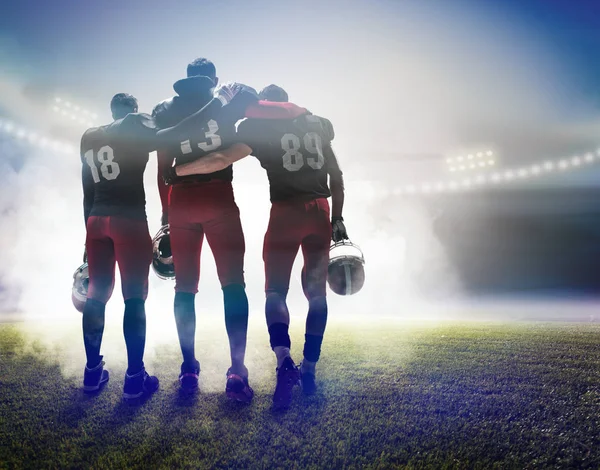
<point x="162" y="258"/>
<point x="288" y="376"/>
<point x="81" y="280"/>
<point x="346" y="270"/>
<point x="238" y="389"/>
<point x="139" y="385"/>
<point x="94" y="379"/>
<point x="189" y="376"/>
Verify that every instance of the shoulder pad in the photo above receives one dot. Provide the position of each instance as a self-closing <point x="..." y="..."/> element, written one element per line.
<point x="324" y="125"/>
<point x="162" y="107"/>
<point x="328" y="128"/>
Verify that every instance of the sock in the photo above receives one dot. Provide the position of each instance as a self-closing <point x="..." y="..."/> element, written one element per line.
<point x="279" y="336"/>
<point x="134" y="330"/>
<point x="281" y="352"/>
<point x="185" y="319"/>
<point x="312" y="347"/>
<point x="308" y="367"/>
<point x="236" y="324"/>
<point x="93" y="329"/>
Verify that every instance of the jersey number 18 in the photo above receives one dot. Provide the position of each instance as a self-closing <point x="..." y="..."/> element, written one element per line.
<point x="108" y="167"/>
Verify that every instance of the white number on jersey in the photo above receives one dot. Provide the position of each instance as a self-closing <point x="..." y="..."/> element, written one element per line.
<point x="293" y="159"/>
<point x="108" y="167"/>
<point x="213" y="140"/>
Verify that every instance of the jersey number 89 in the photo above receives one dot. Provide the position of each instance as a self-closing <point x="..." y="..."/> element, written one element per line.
<point x="293" y="159"/>
<point x="108" y="167"/>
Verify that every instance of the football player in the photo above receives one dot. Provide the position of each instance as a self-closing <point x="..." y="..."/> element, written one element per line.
<point x="298" y="158"/>
<point x="204" y="205"/>
<point x="113" y="163"/>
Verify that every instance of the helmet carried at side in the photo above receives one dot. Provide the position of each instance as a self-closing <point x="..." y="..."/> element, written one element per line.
<point x="81" y="279"/>
<point x="346" y="271"/>
<point x="162" y="258"/>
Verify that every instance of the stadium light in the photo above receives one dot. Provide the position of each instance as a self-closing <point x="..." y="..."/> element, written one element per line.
<point x="589" y="157"/>
<point x="74" y="112"/>
<point x="563" y="164"/>
<point x="576" y="161"/>
<point x="489" y="153"/>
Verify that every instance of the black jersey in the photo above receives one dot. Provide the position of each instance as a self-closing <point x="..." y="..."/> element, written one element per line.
<point x="216" y="134"/>
<point x="113" y="159"/>
<point x="296" y="153"/>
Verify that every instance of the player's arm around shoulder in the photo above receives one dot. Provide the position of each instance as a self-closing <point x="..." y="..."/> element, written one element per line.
<point x="221" y="159"/>
<point x="214" y="161"/>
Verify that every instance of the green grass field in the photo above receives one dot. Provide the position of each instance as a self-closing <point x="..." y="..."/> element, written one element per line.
<point x="472" y="395"/>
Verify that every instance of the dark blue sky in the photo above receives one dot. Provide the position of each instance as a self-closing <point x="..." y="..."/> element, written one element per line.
<point x="46" y="30"/>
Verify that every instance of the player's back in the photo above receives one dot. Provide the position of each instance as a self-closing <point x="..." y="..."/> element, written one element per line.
<point x="114" y="158"/>
<point x="217" y="134"/>
<point x="295" y="153"/>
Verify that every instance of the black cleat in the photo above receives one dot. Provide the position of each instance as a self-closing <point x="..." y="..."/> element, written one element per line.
<point x="309" y="387"/>
<point x="139" y="385"/>
<point x="288" y="375"/>
<point x="94" y="379"/>
<point x="188" y="378"/>
<point x="237" y="388"/>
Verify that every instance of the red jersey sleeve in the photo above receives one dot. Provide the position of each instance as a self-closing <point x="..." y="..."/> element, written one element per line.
<point x="274" y="110"/>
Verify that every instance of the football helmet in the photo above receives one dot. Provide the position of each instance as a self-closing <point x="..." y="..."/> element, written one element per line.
<point x="346" y="271"/>
<point x="81" y="279"/>
<point x="162" y="259"/>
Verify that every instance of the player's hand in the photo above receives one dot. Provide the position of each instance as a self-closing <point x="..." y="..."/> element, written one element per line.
<point x="338" y="229"/>
<point x="169" y="175"/>
<point x="227" y="91"/>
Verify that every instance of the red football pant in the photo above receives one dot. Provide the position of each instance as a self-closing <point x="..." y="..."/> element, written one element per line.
<point x="122" y="240"/>
<point x="199" y="209"/>
<point x="293" y="225"/>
